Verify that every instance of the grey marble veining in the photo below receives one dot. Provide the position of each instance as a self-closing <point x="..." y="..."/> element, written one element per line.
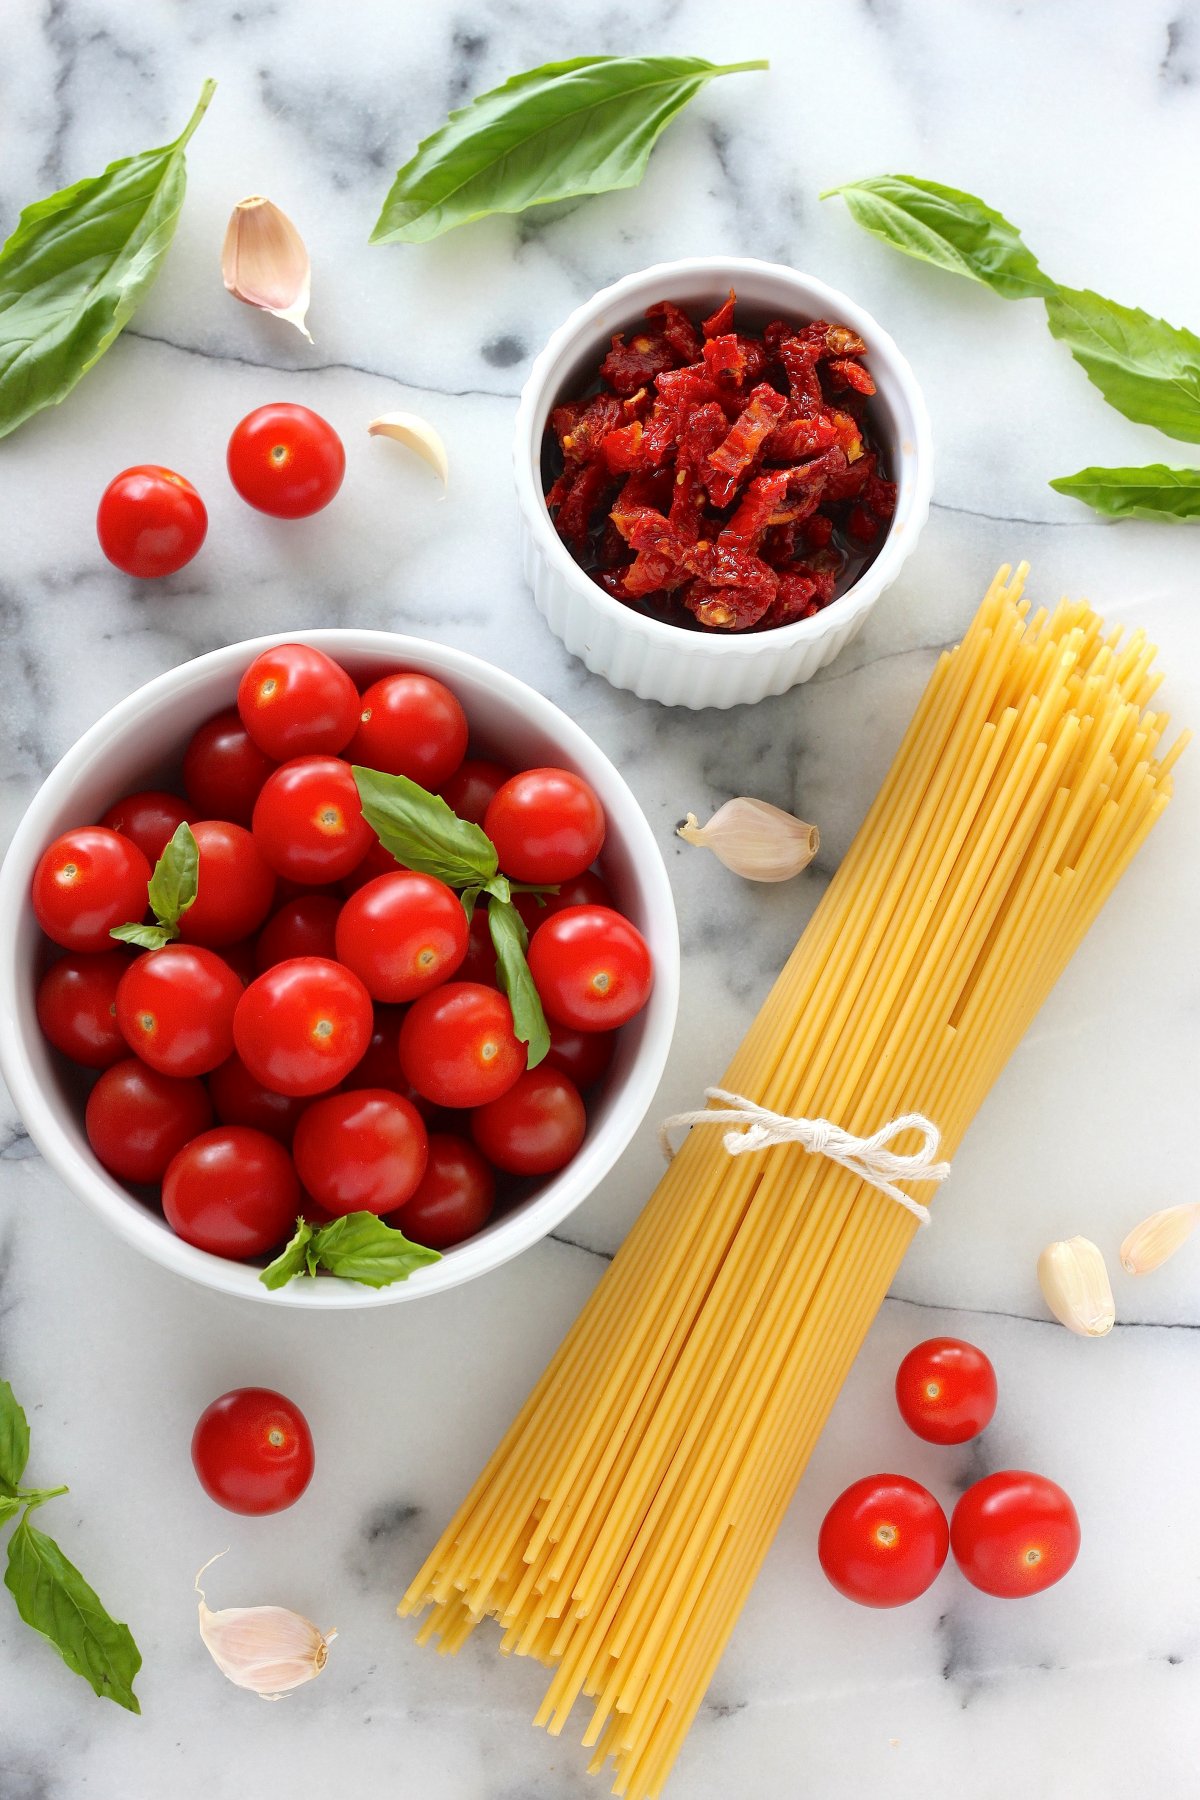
<point x="1080" y="122"/>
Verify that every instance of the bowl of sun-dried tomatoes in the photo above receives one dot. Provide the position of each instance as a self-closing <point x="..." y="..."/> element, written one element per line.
<point x="721" y="465"/>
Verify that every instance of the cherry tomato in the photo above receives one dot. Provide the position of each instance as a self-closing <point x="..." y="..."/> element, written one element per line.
<point x="308" y="820"/>
<point x="458" y="1047"/>
<point x="235" y="887"/>
<point x="77" y="1008"/>
<point x="175" y="1007"/>
<point x="1014" y="1533"/>
<point x="364" y="1151"/>
<point x="302" y="1026"/>
<point x="883" y="1541"/>
<point x="591" y="967"/>
<point x="296" y="701"/>
<point x="410" y="725"/>
<point x="377" y="861"/>
<point x="455" y="1198"/>
<point x="402" y="934"/>
<point x="88" y="881"/>
<point x="946" y="1390"/>
<point x="150" y="521"/>
<point x="241" y="960"/>
<point x="232" y="1192"/>
<point x="136" y="1119"/>
<point x="149" y="820"/>
<point x="479" y="964"/>
<point x="546" y="824"/>
<point x="286" y="460"/>
<point x="585" y="890"/>
<point x="304" y="926"/>
<point x="239" y="1099"/>
<point x="380" y="1067"/>
<point x="224" y="769"/>
<point x="473" y="786"/>
<point x="252" y="1451"/>
<point x="533" y="1129"/>
<point x="583" y="1055"/>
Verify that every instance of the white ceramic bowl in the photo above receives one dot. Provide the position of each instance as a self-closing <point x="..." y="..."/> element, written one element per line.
<point x="138" y="744"/>
<point x="671" y="663"/>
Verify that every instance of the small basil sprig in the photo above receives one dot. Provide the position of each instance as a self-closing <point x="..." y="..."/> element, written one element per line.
<point x="51" y="1595"/>
<point x="1155" y="492"/>
<point x="172" y="889"/>
<point x="1147" y="369"/>
<point x="359" y="1247"/>
<point x="947" y="227"/>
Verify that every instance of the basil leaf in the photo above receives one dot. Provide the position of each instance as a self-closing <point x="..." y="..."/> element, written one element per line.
<point x="292" y="1259"/>
<point x="75" y="269"/>
<point x="578" y="127"/>
<point x="14" y="1438"/>
<point x="512" y="940"/>
<point x="1147" y="369"/>
<point x="53" y="1597"/>
<point x="1154" y="492"/>
<point x="422" y="832"/>
<point x="9" y="1504"/>
<point x="947" y="227"/>
<point x="176" y="878"/>
<point x="147" y="937"/>
<point x="361" y="1247"/>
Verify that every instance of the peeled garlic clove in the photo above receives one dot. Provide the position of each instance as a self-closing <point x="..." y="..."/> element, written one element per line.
<point x="264" y="1648"/>
<point x="1075" y="1283"/>
<point x="264" y="261"/>
<point x="755" y="839"/>
<point x="418" y="435"/>
<point x="1158" y="1237"/>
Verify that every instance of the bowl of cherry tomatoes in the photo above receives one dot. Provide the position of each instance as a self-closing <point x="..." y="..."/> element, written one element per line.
<point x="325" y="932"/>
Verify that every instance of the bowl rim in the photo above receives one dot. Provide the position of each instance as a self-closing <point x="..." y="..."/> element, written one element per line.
<point x="810" y="292"/>
<point x="518" y="1231"/>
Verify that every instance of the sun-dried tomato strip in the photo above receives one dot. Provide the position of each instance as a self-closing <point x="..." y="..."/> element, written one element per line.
<point x="582" y="500"/>
<point x="584" y="428"/>
<point x="727" y="608"/>
<point x="851" y="375"/>
<point x="762" y="496"/>
<point x="731" y="459"/>
<point x="628" y="366"/>
<point x="797" y="438"/>
<point x="799" y="358"/>
<point x="724" y="356"/>
<point x="722" y="320"/>
<point x="677" y="330"/>
<point x="841" y="341"/>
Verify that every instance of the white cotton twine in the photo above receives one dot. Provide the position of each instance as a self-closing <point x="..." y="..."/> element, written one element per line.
<point x="867" y="1157"/>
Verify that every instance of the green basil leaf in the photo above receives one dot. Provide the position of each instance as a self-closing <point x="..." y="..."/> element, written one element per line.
<point x="147" y="937"/>
<point x="292" y="1260"/>
<point x="470" y="900"/>
<point x="511" y="941"/>
<point x="567" y="128"/>
<point x="9" y="1504"/>
<point x="76" y="268"/>
<point x="176" y="878"/>
<point x="1154" y="492"/>
<point x="947" y="227"/>
<point x="361" y="1247"/>
<point x="1147" y="369"/>
<point x="53" y="1598"/>
<point x="422" y="832"/>
<point x="14" y="1438"/>
<point x="498" y="888"/>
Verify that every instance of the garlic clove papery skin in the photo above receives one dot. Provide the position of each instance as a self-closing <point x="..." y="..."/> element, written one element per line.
<point x="1074" y="1281"/>
<point x="266" y="1649"/>
<point x="416" y="434"/>
<point x="754" y="839"/>
<point x="264" y="261"/>
<point x="1155" y="1239"/>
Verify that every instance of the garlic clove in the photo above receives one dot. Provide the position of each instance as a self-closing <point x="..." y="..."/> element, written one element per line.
<point x="1075" y="1283"/>
<point x="756" y="840"/>
<point x="264" y="261"/>
<point x="1149" y="1244"/>
<point x="418" y="435"/>
<point x="266" y="1649"/>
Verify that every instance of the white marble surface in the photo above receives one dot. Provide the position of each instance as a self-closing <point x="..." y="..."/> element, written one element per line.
<point x="1081" y="122"/>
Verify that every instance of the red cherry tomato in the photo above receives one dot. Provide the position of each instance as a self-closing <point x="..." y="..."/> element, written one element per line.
<point x="150" y="521"/>
<point x="224" y="769"/>
<point x="533" y="1129"/>
<point x="546" y="824"/>
<point x="364" y="1151"/>
<point x="149" y="820"/>
<point x="402" y="934"/>
<point x="455" y="1198"/>
<point x="302" y="1026"/>
<point x="239" y="1099"/>
<point x="1014" y="1533"/>
<point x="305" y="926"/>
<point x="946" y="1390"/>
<point x="380" y="1067"/>
<point x="591" y="967"/>
<point x="88" y="881"/>
<point x="252" y="1451"/>
<point x="235" y="887"/>
<point x="458" y="1047"/>
<point x="241" y="960"/>
<point x="585" y="890"/>
<point x="232" y="1192"/>
<point x="410" y="725"/>
<point x="583" y="1055"/>
<point x="883" y="1541"/>
<point x="473" y="786"/>
<point x="296" y="701"/>
<point x="286" y="460"/>
<point x="308" y="820"/>
<point x="136" y="1119"/>
<point x="479" y="964"/>
<point x="376" y="862"/>
<point x="175" y="1007"/>
<point x="77" y="1008"/>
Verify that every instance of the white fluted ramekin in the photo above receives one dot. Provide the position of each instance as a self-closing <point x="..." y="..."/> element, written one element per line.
<point x="671" y="663"/>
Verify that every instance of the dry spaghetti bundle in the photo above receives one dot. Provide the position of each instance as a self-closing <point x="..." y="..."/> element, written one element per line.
<point x="617" y="1529"/>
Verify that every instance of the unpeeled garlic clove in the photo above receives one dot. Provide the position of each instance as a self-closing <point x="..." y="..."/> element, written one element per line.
<point x="756" y="840"/>
<point x="264" y="261"/>
<point x="418" y="434"/>
<point x="1075" y="1283"/>
<point x="1149" y="1244"/>
<point x="264" y="1648"/>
